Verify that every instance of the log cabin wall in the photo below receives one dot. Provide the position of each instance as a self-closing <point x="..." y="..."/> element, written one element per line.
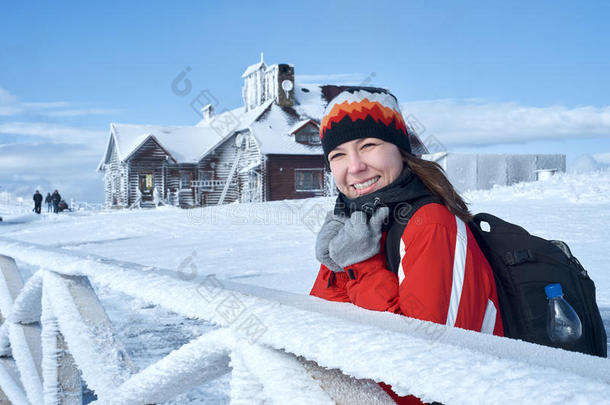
<point x="172" y="184"/>
<point x="281" y="175"/>
<point x="115" y="179"/>
<point x="250" y="182"/>
<point x="186" y="196"/>
<point x="150" y="158"/>
<point x="220" y="162"/>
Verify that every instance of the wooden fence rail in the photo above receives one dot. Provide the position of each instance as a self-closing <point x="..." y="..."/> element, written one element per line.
<point x="56" y="330"/>
<point x="262" y="333"/>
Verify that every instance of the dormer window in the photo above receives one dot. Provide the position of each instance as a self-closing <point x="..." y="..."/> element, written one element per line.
<point x="306" y="132"/>
<point x="312" y="139"/>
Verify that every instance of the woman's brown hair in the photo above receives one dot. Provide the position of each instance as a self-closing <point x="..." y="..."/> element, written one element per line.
<point x="434" y="178"/>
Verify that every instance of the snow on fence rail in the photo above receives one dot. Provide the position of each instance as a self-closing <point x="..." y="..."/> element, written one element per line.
<point x="261" y="333"/>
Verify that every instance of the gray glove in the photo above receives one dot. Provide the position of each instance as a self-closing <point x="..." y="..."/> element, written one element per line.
<point x="359" y="239"/>
<point x="332" y="225"/>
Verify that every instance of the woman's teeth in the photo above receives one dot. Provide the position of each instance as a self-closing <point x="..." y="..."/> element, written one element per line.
<point x="367" y="183"/>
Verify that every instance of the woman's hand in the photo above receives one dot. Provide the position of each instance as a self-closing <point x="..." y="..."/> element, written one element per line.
<point x="358" y="239"/>
<point x="332" y="225"/>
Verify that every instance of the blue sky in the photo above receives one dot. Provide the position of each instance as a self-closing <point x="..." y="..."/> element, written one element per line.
<point x="480" y="76"/>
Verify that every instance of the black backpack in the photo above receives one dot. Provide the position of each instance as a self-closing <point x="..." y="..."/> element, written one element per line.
<point x="523" y="265"/>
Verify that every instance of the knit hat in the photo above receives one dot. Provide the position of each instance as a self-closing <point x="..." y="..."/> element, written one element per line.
<point x="365" y="112"/>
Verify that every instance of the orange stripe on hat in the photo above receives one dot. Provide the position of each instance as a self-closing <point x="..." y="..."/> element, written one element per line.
<point x="360" y="110"/>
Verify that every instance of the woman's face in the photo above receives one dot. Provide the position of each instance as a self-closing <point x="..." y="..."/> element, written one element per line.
<point x="363" y="166"/>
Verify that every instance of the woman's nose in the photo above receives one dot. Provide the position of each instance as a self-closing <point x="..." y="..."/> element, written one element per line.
<point x="356" y="164"/>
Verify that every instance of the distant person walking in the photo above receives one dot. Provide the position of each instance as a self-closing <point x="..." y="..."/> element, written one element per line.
<point x="56" y="198"/>
<point x="37" y="201"/>
<point x="49" y="201"/>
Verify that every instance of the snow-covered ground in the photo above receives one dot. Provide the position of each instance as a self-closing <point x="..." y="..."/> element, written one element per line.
<point x="271" y="245"/>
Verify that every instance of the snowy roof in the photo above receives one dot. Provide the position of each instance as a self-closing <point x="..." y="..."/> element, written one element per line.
<point x="230" y="122"/>
<point x="184" y="143"/>
<point x="296" y="127"/>
<point x="310" y="100"/>
<point x="272" y="131"/>
<point x="272" y="125"/>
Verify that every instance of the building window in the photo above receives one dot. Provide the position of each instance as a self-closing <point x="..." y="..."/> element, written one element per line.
<point x="308" y="134"/>
<point x="146" y="183"/>
<point x="149" y="181"/>
<point x="310" y="138"/>
<point x="309" y="179"/>
<point x="206" y="183"/>
<point x="185" y="180"/>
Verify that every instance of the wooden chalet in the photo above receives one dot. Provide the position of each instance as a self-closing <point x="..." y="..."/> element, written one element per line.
<point x="268" y="149"/>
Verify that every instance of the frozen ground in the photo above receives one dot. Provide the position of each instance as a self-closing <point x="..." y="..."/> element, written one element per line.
<point x="271" y="245"/>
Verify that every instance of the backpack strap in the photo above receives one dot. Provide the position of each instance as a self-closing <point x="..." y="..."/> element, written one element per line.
<point x="397" y="227"/>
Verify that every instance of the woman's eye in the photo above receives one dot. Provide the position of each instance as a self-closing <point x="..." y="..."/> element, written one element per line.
<point x="336" y="155"/>
<point x="368" y="145"/>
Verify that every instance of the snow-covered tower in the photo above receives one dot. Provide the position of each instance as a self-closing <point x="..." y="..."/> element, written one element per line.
<point x="262" y="83"/>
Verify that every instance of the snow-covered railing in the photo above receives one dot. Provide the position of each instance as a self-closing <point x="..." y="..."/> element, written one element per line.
<point x="263" y="331"/>
<point x="85" y="206"/>
<point x="56" y="329"/>
<point x="208" y="183"/>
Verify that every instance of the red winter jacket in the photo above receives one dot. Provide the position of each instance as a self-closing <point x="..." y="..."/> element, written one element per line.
<point x="443" y="277"/>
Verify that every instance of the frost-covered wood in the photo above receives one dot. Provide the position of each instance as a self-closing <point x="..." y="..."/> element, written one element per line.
<point x="220" y="164"/>
<point x="115" y="178"/>
<point x="201" y="360"/>
<point x="426" y="350"/>
<point x="282" y="376"/>
<point x="88" y="332"/>
<point x="25" y="346"/>
<point x="61" y="378"/>
<point x="5" y="344"/>
<point x="344" y="389"/>
<point x="26" y="308"/>
<point x="11" y="392"/>
<point x="11" y="284"/>
<point x="24" y="338"/>
<point x="246" y="388"/>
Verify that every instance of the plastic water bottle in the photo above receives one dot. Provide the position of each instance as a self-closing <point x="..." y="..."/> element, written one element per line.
<point x="562" y="322"/>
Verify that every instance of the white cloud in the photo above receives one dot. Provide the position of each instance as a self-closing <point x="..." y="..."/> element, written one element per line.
<point x="25" y="167"/>
<point x="47" y="155"/>
<point x="603" y="158"/>
<point x="8" y="103"/>
<point x="45" y="105"/>
<point x="473" y="122"/>
<point x="54" y="132"/>
<point x="87" y="111"/>
<point x="11" y="105"/>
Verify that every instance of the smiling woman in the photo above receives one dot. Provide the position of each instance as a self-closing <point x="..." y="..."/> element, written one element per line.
<point x="397" y="239"/>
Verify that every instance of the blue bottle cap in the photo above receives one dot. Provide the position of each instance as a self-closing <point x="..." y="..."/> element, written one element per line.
<point x="553" y="290"/>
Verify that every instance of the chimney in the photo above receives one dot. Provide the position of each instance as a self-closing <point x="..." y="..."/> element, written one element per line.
<point x="285" y="83"/>
<point x="207" y="111"/>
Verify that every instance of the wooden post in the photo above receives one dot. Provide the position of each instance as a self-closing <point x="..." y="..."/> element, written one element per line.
<point x="88" y="332"/>
<point x="9" y="376"/>
<point x="25" y="339"/>
<point x="61" y="382"/>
